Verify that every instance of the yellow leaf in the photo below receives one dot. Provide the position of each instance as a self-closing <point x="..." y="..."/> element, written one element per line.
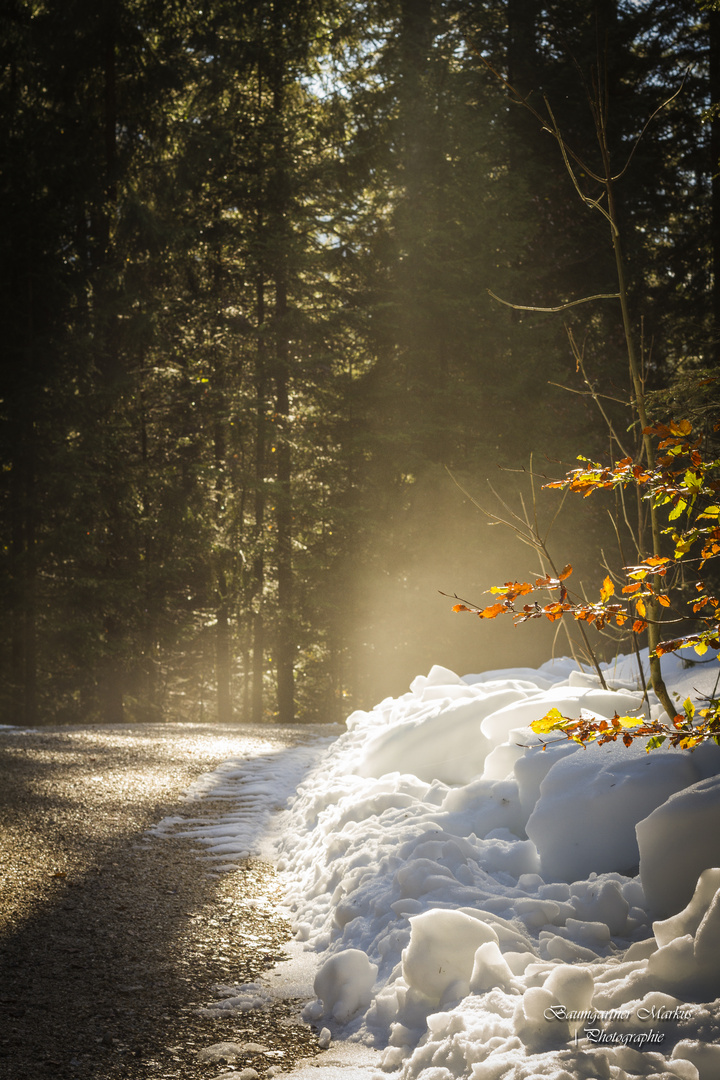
<point x="607" y="590"/>
<point x="547" y="722"/>
<point x="693" y="482"/>
<point x="629" y="721"/>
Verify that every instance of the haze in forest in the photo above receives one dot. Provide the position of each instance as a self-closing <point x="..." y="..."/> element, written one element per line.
<point x="251" y="358"/>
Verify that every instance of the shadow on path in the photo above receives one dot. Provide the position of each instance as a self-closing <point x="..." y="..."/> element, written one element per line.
<point x="111" y="941"/>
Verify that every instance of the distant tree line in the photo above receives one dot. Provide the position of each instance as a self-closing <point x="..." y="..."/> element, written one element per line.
<point x="246" y="324"/>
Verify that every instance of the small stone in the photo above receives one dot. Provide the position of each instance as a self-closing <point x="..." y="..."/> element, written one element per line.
<point x="244" y="1074"/>
<point x="220" y="1053"/>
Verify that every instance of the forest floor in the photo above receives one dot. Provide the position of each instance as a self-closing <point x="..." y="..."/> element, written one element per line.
<point x="112" y="940"/>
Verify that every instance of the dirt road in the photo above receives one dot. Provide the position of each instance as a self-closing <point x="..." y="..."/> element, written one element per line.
<point x="111" y="940"/>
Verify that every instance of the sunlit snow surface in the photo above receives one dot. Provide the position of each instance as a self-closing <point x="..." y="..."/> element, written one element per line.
<point x="473" y="903"/>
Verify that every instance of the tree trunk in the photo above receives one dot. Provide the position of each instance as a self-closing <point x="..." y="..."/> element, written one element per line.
<point x="23" y="554"/>
<point x="522" y="74"/>
<point x="111" y="677"/>
<point x="23" y="601"/>
<point x="257" y="573"/>
<point x="285" y="649"/>
<point x="30" y="696"/>
<point x="278" y="211"/>
<point x="222" y="656"/>
<point x="714" y="21"/>
<point x="522" y="19"/>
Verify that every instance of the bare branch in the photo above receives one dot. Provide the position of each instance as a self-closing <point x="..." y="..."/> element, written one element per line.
<point x="561" y="307"/>
<point x="580" y="364"/>
<point x="556" y="515"/>
<point x="592" y="203"/>
<point x="518" y="99"/>
<point x="586" y="393"/>
<point x="647" y="124"/>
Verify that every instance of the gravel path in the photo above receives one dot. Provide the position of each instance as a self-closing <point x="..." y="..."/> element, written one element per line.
<point x="110" y="942"/>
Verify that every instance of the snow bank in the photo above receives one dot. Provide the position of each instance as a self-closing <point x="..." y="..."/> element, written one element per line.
<point x="682" y="833"/>
<point x="602" y="792"/>
<point x="475" y="902"/>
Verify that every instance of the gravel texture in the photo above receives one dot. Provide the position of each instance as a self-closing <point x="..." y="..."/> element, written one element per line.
<point x="110" y="941"/>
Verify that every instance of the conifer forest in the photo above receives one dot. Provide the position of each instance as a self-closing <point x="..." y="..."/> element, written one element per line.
<point x="254" y="365"/>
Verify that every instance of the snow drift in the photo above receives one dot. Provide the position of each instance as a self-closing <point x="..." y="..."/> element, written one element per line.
<point x="483" y="908"/>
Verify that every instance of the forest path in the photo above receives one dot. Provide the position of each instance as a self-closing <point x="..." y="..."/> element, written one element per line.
<point x="111" y="938"/>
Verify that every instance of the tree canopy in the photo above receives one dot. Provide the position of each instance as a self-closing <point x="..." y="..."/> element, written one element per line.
<point x="249" y="338"/>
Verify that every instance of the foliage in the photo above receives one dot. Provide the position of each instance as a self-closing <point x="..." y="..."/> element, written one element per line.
<point x="688" y="730"/>
<point x="685" y="485"/>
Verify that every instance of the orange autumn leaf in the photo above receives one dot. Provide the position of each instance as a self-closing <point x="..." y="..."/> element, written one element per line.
<point x="554" y="611"/>
<point x="607" y="590"/>
<point x="668" y="646"/>
<point x="513" y="589"/>
<point x="492" y="611"/>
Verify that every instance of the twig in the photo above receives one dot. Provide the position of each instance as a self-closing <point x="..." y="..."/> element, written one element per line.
<point x="580" y="365"/>
<point x="586" y="393"/>
<point x="649" y="120"/>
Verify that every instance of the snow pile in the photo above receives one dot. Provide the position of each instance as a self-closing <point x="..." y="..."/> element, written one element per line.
<point x="482" y="908"/>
